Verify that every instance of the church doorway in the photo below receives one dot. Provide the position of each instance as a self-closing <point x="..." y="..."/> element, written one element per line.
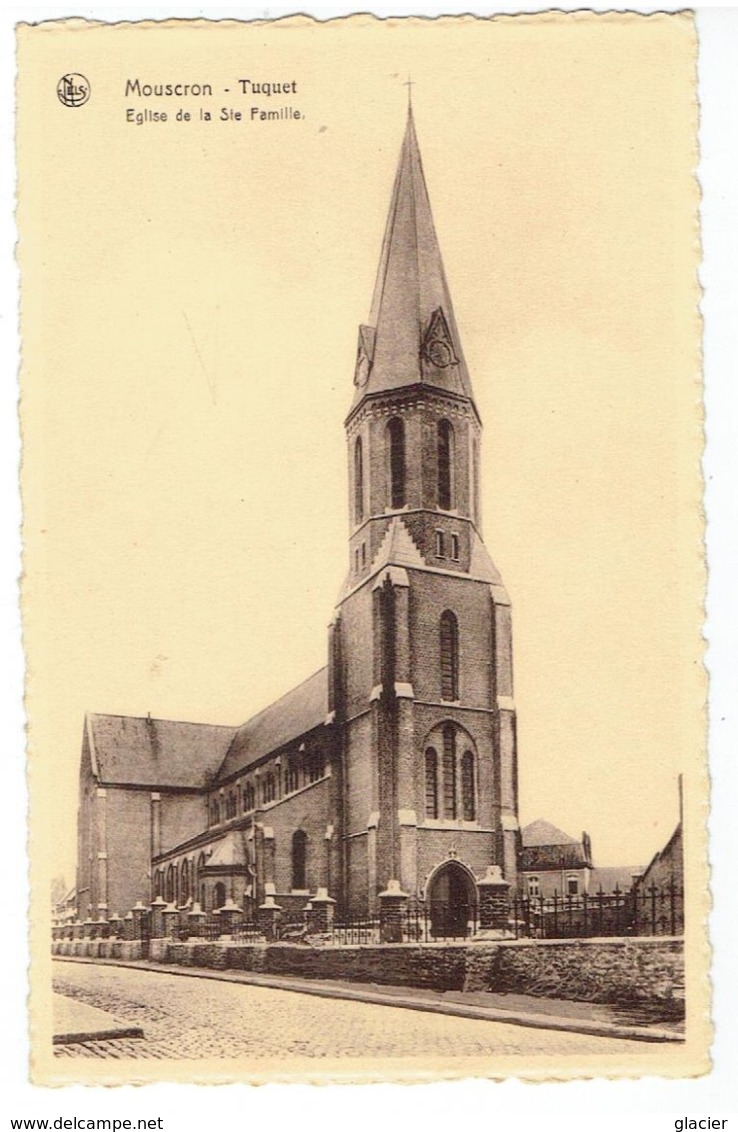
<point x="453" y="903"/>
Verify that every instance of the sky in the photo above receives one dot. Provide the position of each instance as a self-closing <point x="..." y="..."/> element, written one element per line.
<point x="191" y="304"/>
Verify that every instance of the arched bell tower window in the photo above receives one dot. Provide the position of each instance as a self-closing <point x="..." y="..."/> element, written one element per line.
<point x="468" y="806"/>
<point x="449" y="771"/>
<point x="396" y="461"/>
<point x="358" y="482"/>
<point x="431" y="783"/>
<point x="299" y="859"/>
<point x="445" y="465"/>
<point x="449" y="650"/>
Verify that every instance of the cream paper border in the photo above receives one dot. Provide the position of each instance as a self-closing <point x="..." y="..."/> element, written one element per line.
<point x="43" y="444"/>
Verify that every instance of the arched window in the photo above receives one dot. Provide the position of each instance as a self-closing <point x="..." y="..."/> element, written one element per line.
<point x="431" y="783"/>
<point x="475" y="481"/>
<point x="184" y="884"/>
<point x="299" y="859"/>
<point x="292" y="776"/>
<point x="158" y="883"/>
<point x="269" y="788"/>
<point x="396" y="443"/>
<point x="445" y="465"/>
<point x="449" y="771"/>
<point x="231" y="806"/>
<point x="219" y="896"/>
<point x="249" y="797"/>
<point x="468" y="805"/>
<point x="169" y="890"/>
<point x="358" y="482"/>
<point x="449" y="656"/>
<point x="314" y="766"/>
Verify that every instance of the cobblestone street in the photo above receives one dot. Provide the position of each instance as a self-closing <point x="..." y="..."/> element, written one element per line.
<point x="191" y="1017"/>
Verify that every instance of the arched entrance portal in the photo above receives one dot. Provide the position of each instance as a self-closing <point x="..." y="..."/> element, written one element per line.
<point x="453" y="901"/>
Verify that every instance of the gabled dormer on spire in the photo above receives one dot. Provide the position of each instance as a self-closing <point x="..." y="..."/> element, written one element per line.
<point x="412" y="336"/>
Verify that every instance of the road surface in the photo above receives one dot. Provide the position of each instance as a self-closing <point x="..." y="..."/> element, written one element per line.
<point x="184" y="1016"/>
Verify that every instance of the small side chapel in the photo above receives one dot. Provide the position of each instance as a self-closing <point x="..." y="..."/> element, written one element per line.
<point x="396" y="763"/>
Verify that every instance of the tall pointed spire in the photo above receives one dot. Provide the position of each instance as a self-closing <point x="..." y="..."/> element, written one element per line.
<point x="412" y="335"/>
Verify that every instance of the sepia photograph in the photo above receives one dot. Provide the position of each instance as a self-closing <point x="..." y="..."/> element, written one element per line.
<point x="363" y="549"/>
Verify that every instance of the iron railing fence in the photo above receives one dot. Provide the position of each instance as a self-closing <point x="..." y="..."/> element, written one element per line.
<point x="658" y="910"/>
<point x="637" y="911"/>
<point x="640" y="910"/>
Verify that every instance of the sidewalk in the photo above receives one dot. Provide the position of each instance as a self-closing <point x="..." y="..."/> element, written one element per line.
<point x="519" y="1010"/>
<point x="77" y="1022"/>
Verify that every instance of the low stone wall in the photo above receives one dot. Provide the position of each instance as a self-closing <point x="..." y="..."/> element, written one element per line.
<point x="638" y="970"/>
<point x="646" y="969"/>
<point x="435" y="966"/>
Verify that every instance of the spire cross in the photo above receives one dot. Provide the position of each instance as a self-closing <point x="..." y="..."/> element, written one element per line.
<point x="409" y="84"/>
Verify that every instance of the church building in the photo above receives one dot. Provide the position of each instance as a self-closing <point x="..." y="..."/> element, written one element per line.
<point x="396" y="762"/>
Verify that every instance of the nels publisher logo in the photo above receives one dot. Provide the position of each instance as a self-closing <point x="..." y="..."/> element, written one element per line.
<point x="73" y="90"/>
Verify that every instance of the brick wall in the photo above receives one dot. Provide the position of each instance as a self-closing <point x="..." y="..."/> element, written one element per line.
<point x="182" y="816"/>
<point x="360" y="774"/>
<point x="128" y="825"/>
<point x="307" y="810"/>
<point x="431" y="594"/>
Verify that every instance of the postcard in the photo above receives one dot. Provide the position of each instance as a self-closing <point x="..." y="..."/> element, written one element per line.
<point x="364" y="577"/>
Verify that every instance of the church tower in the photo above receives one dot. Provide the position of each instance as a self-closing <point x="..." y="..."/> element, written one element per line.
<point x="420" y="648"/>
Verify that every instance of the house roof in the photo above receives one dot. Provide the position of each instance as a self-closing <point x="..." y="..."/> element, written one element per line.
<point x="411" y="295"/>
<point x="539" y="858"/>
<point x="156" y="752"/>
<point x="300" y="710"/>
<point x="542" y="832"/>
<point x="611" y="877"/>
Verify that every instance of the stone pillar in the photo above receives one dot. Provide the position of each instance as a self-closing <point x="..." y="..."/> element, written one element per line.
<point x="115" y="927"/>
<point x="196" y="922"/>
<point x="268" y="918"/>
<point x="231" y="918"/>
<point x="128" y="927"/>
<point x="170" y="918"/>
<point x="88" y="929"/>
<point x="157" y="922"/>
<point x="319" y="912"/>
<point x="494" y="901"/>
<point x="140" y="915"/>
<point x="392" y="907"/>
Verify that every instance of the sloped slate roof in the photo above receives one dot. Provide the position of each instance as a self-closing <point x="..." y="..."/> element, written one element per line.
<point x="542" y="857"/>
<point x="410" y="289"/>
<point x="229" y="852"/>
<point x="156" y="752"/>
<point x="610" y="877"/>
<point x="542" y="832"/>
<point x="300" y="710"/>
